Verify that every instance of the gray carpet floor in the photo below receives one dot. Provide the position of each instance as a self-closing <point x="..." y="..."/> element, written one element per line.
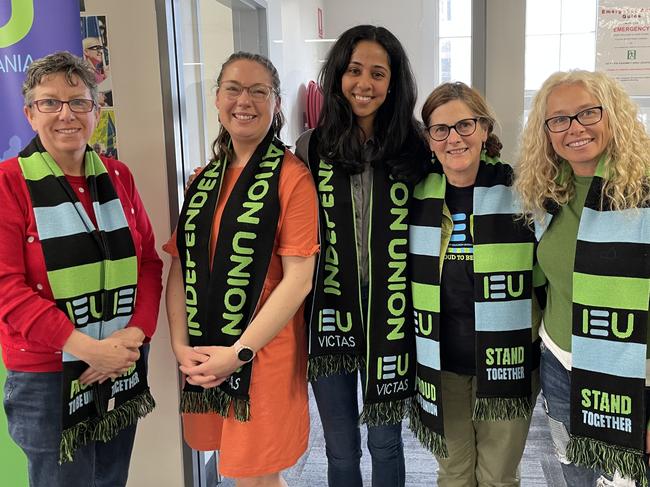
<point x="539" y="467"/>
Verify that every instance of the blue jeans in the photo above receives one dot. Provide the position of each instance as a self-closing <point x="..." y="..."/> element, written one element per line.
<point x="336" y="397"/>
<point x="32" y="402"/>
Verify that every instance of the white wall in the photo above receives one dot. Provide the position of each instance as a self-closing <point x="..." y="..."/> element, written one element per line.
<point x="133" y="44"/>
<point x="297" y="61"/>
<point x="504" y="83"/>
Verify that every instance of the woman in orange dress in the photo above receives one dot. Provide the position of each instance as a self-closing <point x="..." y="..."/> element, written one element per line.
<point x="247" y="239"/>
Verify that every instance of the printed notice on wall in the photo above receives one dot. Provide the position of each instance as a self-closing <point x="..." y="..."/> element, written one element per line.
<point x="623" y="43"/>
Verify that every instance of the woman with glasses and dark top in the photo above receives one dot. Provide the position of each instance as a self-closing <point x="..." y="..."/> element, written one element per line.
<point x="583" y="178"/>
<point x="244" y="253"/>
<point x="80" y="285"/>
<point x="476" y="313"/>
<point x="364" y="155"/>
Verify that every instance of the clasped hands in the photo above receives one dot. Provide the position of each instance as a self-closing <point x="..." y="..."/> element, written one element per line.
<point x="113" y="355"/>
<point x="206" y="366"/>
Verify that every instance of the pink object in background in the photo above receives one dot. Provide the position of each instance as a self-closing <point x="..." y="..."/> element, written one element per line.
<point x="314" y="104"/>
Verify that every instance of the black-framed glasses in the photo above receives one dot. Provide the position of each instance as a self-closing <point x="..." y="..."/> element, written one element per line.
<point x="97" y="47"/>
<point x="258" y="92"/>
<point x="440" y="131"/>
<point x="51" y="105"/>
<point x="586" y="117"/>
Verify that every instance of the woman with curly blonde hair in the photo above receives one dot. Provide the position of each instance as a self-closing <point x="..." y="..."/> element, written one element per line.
<point x="583" y="178"/>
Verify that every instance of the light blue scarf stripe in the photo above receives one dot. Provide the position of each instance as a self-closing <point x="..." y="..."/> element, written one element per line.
<point x="503" y="316"/>
<point x="609" y="357"/>
<point x="424" y="240"/>
<point x="495" y="200"/>
<point x="428" y="352"/>
<point x="615" y="226"/>
<point x="110" y="215"/>
<point x="62" y="220"/>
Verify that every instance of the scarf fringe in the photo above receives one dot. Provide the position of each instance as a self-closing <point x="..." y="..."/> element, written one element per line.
<point x="502" y="408"/>
<point x="105" y="428"/>
<point x="382" y="413"/>
<point x="214" y="400"/>
<point x="326" y="365"/>
<point x="428" y="438"/>
<point x="595" y="454"/>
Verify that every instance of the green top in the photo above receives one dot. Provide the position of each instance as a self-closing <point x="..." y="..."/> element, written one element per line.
<point x="556" y="255"/>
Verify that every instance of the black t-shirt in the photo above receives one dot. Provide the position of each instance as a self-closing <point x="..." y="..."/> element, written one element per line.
<point x="457" y="335"/>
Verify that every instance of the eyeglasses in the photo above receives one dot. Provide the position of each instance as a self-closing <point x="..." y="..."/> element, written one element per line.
<point x="95" y="48"/>
<point x="586" y="117"/>
<point x="50" y="105"/>
<point x="440" y="131"/>
<point x="258" y="92"/>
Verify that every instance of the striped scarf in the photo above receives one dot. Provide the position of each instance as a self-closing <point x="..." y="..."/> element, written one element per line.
<point x="342" y="338"/>
<point x="611" y="289"/>
<point x="93" y="273"/>
<point x="503" y="286"/>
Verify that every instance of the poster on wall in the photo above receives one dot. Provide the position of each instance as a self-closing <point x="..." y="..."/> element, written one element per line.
<point x="94" y="34"/>
<point x="29" y="29"/>
<point x="623" y="43"/>
<point x="95" y="50"/>
<point x="104" y="139"/>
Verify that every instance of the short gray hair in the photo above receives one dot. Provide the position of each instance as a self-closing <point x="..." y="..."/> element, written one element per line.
<point x="59" y="62"/>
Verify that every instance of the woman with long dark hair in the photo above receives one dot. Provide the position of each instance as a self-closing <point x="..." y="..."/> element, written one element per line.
<point x="364" y="155"/>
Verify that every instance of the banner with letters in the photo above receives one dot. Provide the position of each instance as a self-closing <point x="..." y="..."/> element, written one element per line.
<point x="29" y="29"/>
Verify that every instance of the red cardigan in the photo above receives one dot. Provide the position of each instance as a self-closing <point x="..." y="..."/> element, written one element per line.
<point x="32" y="329"/>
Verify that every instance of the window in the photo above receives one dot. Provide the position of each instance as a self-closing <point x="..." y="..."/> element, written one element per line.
<point x="561" y="35"/>
<point x="455" y="41"/>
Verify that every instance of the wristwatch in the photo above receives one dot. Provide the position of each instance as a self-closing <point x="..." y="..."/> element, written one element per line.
<point x="244" y="353"/>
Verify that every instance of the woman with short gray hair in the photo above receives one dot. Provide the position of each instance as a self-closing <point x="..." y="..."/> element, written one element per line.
<point x="80" y="286"/>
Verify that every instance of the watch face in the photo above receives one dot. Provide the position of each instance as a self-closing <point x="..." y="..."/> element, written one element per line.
<point x="245" y="354"/>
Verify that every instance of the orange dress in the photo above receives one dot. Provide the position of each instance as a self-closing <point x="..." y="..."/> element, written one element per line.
<point x="278" y="430"/>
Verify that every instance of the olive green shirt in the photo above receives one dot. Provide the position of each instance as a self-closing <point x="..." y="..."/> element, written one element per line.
<point x="556" y="255"/>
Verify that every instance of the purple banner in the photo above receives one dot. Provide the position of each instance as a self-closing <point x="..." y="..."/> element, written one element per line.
<point x="29" y="29"/>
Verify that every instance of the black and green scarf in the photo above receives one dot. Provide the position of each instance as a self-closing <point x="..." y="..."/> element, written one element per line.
<point x="93" y="273"/>
<point x="222" y="298"/>
<point x="503" y="286"/>
<point x="611" y="290"/>
<point x="341" y="337"/>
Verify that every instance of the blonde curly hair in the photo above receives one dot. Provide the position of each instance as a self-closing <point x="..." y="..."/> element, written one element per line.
<point x="539" y="172"/>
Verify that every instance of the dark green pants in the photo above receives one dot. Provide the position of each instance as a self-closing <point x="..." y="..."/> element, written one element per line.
<point x="481" y="453"/>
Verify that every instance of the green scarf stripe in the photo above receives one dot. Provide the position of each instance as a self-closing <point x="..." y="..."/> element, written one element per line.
<point x="426" y="297"/>
<point x="34" y="170"/>
<point x="67" y="283"/>
<point x="432" y="187"/>
<point x="504" y="257"/>
<point x="610" y="292"/>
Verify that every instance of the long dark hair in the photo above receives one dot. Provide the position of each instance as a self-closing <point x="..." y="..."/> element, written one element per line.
<point x="221" y="147"/>
<point x="400" y="144"/>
